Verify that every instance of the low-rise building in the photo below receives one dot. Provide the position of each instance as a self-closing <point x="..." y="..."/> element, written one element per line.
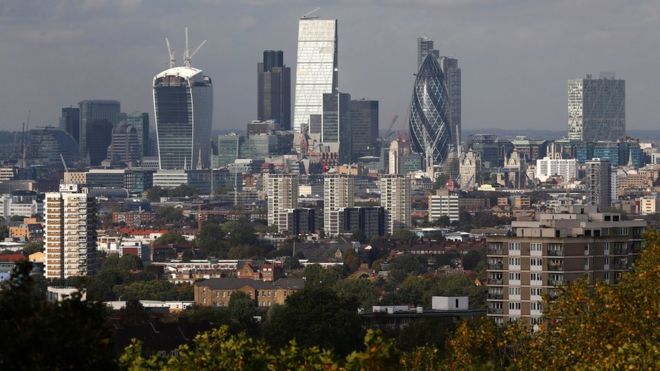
<point x="217" y="291"/>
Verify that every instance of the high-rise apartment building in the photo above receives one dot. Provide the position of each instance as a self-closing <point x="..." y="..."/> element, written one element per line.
<point x="336" y="125"/>
<point x="364" y="128"/>
<point x="554" y="250"/>
<point x="282" y="196"/>
<point x="183" y="106"/>
<point x="597" y="108"/>
<point x="274" y="89"/>
<point x="316" y="68"/>
<point x="430" y="132"/>
<point x="565" y="168"/>
<point x="70" y="122"/>
<point x="598" y="183"/>
<point x="444" y="203"/>
<point x="395" y="197"/>
<point x="70" y="233"/>
<point x="93" y="112"/>
<point x="338" y="193"/>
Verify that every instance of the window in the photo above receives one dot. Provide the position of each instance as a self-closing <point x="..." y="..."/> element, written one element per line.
<point x="514" y="290"/>
<point x="536" y="247"/>
<point x="535" y="276"/>
<point x="537" y="305"/>
<point x="514" y="305"/>
<point x="514" y="261"/>
<point x="514" y="246"/>
<point x="536" y="262"/>
<point x="514" y="276"/>
<point x="536" y="291"/>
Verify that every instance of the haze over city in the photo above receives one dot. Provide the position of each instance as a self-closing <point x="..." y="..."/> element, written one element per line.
<point x="516" y="56"/>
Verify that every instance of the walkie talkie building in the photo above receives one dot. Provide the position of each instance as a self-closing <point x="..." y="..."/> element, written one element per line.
<point x="430" y="132"/>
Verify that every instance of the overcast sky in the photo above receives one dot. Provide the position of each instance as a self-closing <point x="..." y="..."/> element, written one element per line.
<point x="515" y="55"/>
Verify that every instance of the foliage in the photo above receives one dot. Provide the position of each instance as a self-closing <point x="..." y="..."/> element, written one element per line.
<point x="359" y="290"/>
<point x="316" y="317"/>
<point x="407" y="264"/>
<point x="4" y="232"/>
<point x="317" y="276"/>
<point x="36" y="334"/>
<point x="153" y="290"/>
<point x="472" y="258"/>
<point x="168" y="215"/>
<point x="33" y="247"/>
<point x="351" y="261"/>
<point x="209" y="240"/>
<point x="170" y="238"/>
<point x="403" y="235"/>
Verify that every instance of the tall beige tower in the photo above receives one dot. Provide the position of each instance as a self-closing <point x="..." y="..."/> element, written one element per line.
<point x="70" y="242"/>
<point x="395" y="197"/>
<point x="282" y="196"/>
<point x="338" y="193"/>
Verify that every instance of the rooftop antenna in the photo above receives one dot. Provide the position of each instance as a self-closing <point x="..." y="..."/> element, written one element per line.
<point x="308" y="14"/>
<point x="187" y="55"/>
<point x="170" y="51"/>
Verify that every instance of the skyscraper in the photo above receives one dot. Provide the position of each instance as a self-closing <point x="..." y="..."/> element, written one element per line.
<point x="140" y="121"/>
<point x="282" y="196"/>
<point x="338" y="193"/>
<point x="93" y="111"/>
<point x="453" y="81"/>
<point x="597" y="108"/>
<point x="70" y="122"/>
<point x="424" y="48"/>
<point x="99" y="137"/>
<point x="125" y="147"/>
<point x="364" y="128"/>
<point x="183" y="106"/>
<point x="430" y="133"/>
<point x="336" y="125"/>
<point x="395" y="197"/>
<point x="274" y="89"/>
<point x="599" y="183"/>
<point x="70" y="233"/>
<point x="316" y="68"/>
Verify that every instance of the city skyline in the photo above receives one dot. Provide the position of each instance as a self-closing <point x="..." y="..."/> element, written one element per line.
<point x="524" y="52"/>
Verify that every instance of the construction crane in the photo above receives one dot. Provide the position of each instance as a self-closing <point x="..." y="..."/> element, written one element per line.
<point x="390" y="131"/>
<point x="66" y="169"/>
<point x="308" y="14"/>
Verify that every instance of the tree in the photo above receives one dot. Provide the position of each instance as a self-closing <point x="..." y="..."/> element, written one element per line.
<point x="359" y="236"/>
<point x="33" y="247"/>
<point x="359" y="290"/>
<point x="153" y="290"/>
<point x="209" y="240"/>
<point x="403" y="235"/>
<point x="154" y="194"/>
<point x="351" y="261"/>
<point x="130" y="263"/>
<point x="72" y="334"/>
<point x="317" y="276"/>
<point x="170" y="238"/>
<point x="316" y="317"/>
<point x="242" y="309"/>
<point x="472" y="258"/>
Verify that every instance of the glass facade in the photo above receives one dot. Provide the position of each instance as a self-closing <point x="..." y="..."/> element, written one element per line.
<point x="46" y="144"/>
<point x="92" y="111"/>
<point x="364" y="128"/>
<point x="183" y="103"/>
<point x="429" y="127"/>
<point x="316" y="68"/>
<point x="274" y="89"/>
<point x="597" y="108"/>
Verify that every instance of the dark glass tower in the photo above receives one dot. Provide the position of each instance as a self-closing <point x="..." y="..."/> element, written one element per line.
<point x="274" y="89"/>
<point x="364" y="128"/>
<point x="99" y="137"/>
<point x="70" y="122"/>
<point x="336" y="125"/>
<point x="430" y="132"/>
<point x="94" y="110"/>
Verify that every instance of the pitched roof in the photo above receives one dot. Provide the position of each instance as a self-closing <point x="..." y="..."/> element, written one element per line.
<point x="237" y="283"/>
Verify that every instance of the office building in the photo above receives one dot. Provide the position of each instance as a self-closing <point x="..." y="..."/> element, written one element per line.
<point x="363" y="129"/>
<point x="140" y="120"/>
<point x="336" y="126"/>
<point x="552" y="167"/>
<point x="370" y="221"/>
<point x="183" y="104"/>
<point x="395" y="197"/>
<point x="70" y="122"/>
<point x="452" y="71"/>
<point x="47" y="146"/>
<point x="554" y="250"/>
<point x="94" y="114"/>
<point x="424" y="48"/>
<point x="316" y="68"/>
<point x="597" y="108"/>
<point x="70" y="233"/>
<point x="338" y="193"/>
<point x="430" y="133"/>
<point x="274" y="89"/>
<point x="125" y="147"/>
<point x="282" y="196"/>
<point x="99" y="137"/>
<point x="301" y="221"/>
<point x="598" y="183"/>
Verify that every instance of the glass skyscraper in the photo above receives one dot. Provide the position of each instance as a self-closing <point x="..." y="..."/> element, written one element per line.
<point x="183" y="106"/>
<point x="430" y="132"/>
<point x="597" y="108"/>
<point x="70" y="122"/>
<point x="91" y="112"/>
<point x="316" y="68"/>
<point x="274" y="89"/>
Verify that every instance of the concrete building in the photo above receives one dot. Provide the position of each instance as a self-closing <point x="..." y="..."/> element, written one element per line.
<point x="598" y="183"/>
<point x="554" y="250"/>
<point x="597" y="108"/>
<point x="125" y="147"/>
<point x="444" y="203"/>
<point x="395" y="197"/>
<point x="549" y="167"/>
<point x="70" y="233"/>
<point x="648" y="205"/>
<point x="282" y="193"/>
<point x="338" y="193"/>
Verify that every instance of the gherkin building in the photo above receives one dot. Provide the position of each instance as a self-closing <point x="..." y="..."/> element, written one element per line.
<point x="430" y="132"/>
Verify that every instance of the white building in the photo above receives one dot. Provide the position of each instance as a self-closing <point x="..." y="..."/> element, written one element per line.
<point x="316" y="68"/>
<point x="70" y="233"/>
<point x="338" y="193"/>
<point x="548" y="167"/>
<point x="395" y="197"/>
<point x="282" y="196"/>
<point x="444" y="205"/>
<point x="648" y="205"/>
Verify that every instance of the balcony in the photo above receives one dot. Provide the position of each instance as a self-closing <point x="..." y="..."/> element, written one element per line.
<point x="620" y="251"/>
<point x="496" y="266"/>
<point x="555" y="266"/>
<point x="495" y="281"/>
<point x="495" y="250"/>
<point x="495" y="311"/>
<point x="495" y="296"/>
<point x="554" y="282"/>
<point x="555" y="252"/>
